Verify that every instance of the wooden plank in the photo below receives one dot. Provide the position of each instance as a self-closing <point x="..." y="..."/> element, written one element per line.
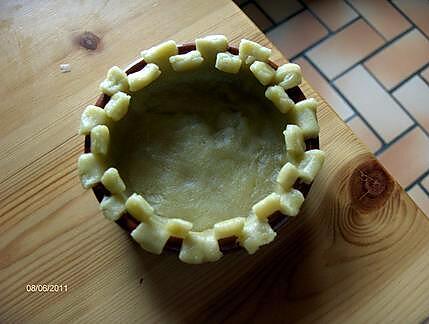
<point x="358" y="252"/>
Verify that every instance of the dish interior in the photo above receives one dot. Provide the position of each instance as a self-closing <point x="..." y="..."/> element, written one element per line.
<point x="203" y="146"/>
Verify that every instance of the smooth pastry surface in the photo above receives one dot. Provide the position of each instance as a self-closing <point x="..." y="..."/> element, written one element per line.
<point x="201" y="148"/>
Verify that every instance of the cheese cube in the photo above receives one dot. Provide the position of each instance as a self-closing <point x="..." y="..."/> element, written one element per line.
<point x="144" y="77"/>
<point x="263" y="72"/>
<point x="210" y="45"/>
<point x="186" y="62"/>
<point x="100" y="138"/>
<point x="287" y="176"/>
<point x="304" y="115"/>
<point x="139" y="208"/>
<point x="151" y="236"/>
<point x="310" y="165"/>
<point x="256" y="232"/>
<point x="117" y="107"/>
<point x="250" y="51"/>
<point x="115" y="81"/>
<point x="91" y="116"/>
<point x="229" y="227"/>
<point x="199" y="247"/>
<point x="228" y="62"/>
<point x="288" y="75"/>
<point x="267" y="206"/>
<point x="159" y="54"/>
<point x="178" y="227"/>
<point x="294" y="139"/>
<point x="290" y="202"/>
<point x="113" y="207"/>
<point x="279" y="98"/>
<point x="112" y="181"/>
<point x="90" y="168"/>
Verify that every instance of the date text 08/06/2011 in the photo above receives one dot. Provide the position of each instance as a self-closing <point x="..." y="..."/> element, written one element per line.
<point x="46" y="288"/>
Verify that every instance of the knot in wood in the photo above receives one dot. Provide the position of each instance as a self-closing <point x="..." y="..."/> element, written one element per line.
<point x="370" y="186"/>
<point x="89" y="40"/>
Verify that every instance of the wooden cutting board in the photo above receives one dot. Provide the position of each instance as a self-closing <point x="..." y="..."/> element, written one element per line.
<point x="358" y="252"/>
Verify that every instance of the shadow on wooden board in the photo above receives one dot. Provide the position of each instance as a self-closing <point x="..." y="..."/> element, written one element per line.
<point x="327" y="251"/>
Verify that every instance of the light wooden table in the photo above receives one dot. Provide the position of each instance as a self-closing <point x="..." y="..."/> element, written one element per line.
<point x="359" y="251"/>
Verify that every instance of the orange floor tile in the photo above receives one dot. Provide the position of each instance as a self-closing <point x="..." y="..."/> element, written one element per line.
<point x="290" y="38"/>
<point x="355" y="41"/>
<point x="334" y="13"/>
<point x="384" y="17"/>
<point x="374" y="104"/>
<point x="414" y="97"/>
<point x="401" y="59"/>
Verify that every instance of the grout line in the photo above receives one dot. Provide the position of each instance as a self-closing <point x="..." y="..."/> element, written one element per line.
<point x="373" y="53"/>
<point x="347" y="70"/>
<point x="356" y="111"/>
<point x="417" y="181"/>
<point x="366" y="20"/>
<point x="408" y="78"/>
<point x="423" y="188"/>
<point x="322" y="39"/>
<point x="264" y="13"/>
<point x="330" y="31"/>
<point x="408" y="18"/>
<point x="285" y="19"/>
<point x="395" y="139"/>
<point x="424" y="80"/>
<point x="396" y="100"/>
<point x="310" y="47"/>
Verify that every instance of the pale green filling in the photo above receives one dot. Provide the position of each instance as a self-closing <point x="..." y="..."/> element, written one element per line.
<point x="203" y="146"/>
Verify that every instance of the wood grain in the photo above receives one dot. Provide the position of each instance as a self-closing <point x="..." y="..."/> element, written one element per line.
<point x="358" y="252"/>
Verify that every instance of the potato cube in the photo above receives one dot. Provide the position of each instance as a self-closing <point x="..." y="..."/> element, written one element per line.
<point x="267" y="206"/>
<point x="228" y="62"/>
<point x="112" y="181"/>
<point x="263" y="72"/>
<point x="210" y="45"/>
<point x="144" y="77"/>
<point x="256" y="232"/>
<point x="294" y="139"/>
<point x="100" y="138"/>
<point x="287" y="176"/>
<point x="139" y="208"/>
<point x="304" y="115"/>
<point x="117" y="107"/>
<point x="250" y="51"/>
<point x="290" y="202"/>
<point x="311" y="164"/>
<point x="90" y="168"/>
<point x="159" y="54"/>
<point x="91" y="116"/>
<point x="186" y="62"/>
<point x="113" y="207"/>
<point x="288" y="75"/>
<point x="151" y="236"/>
<point x="229" y="227"/>
<point x="199" y="247"/>
<point x="279" y="98"/>
<point x="178" y="227"/>
<point x="115" y="81"/>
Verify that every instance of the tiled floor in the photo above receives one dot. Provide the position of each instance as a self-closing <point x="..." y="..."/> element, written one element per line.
<point x="370" y="61"/>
